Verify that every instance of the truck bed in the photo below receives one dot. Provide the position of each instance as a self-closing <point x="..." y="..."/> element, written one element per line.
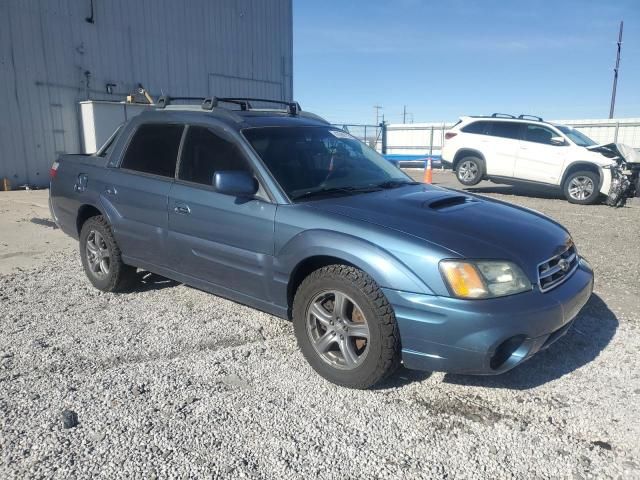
<point x="78" y="181"/>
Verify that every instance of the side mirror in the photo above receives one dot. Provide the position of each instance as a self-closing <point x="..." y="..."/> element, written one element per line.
<point x="558" y="141"/>
<point x="235" y="182"/>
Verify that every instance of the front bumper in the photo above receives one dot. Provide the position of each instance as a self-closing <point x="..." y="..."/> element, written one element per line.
<point x="486" y="336"/>
<point x="605" y="184"/>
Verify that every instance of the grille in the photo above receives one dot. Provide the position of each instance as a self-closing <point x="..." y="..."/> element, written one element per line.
<point x="556" y="270"/>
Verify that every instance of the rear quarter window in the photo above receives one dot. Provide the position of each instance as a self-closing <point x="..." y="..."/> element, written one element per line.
<point x="154" y="149"/>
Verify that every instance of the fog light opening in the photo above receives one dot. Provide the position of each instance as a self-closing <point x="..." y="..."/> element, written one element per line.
<point x="505" y="351"/>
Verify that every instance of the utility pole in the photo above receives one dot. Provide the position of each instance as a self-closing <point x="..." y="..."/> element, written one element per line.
<point x="615" y="72"/>
<point x="378" y="108"/>
<point x="404" y="114"/>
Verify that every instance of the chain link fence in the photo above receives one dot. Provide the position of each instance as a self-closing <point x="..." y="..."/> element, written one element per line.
<point x="368" y="134"/>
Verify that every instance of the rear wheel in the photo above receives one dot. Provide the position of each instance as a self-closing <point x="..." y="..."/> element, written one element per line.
<point x="582" y="188"/>
<point x="345" y="327"/>
<point x="101" y="257"/>
<point x="470" y="171"/>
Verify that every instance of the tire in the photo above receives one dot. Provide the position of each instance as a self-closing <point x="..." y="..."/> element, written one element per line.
<point x="470" y="170"/>
<point x="370" y="358"/>
<point x="582" y="187"/>
<point x="107" y="273"/>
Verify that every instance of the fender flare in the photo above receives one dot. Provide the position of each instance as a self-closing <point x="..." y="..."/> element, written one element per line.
<point x="590" y="166"/>
<point x="462" y="152"/>
<point x="384" y="268"/>
<point x="89" y="204"/>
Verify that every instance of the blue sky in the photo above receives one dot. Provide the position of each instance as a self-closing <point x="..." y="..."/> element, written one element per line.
<point x="448" y="58"/>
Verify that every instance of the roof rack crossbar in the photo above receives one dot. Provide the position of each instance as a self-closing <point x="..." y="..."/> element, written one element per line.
<point x="165" y="100"/>
<point x="532" y="117"/>
<point x="209" y="103"/>
<point x="245" y="103"/>
<point x="502" y="115"/>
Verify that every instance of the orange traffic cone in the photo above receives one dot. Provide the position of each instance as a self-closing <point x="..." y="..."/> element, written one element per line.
<point x="428" y="172"/>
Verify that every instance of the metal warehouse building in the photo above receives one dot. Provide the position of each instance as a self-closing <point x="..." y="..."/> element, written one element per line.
<point x="56" y="53"/>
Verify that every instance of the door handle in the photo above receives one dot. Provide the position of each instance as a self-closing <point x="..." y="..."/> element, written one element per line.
<point x="182" y="209"/>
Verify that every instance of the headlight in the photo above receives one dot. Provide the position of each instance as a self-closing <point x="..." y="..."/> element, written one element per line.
<point x="483" y="278"/>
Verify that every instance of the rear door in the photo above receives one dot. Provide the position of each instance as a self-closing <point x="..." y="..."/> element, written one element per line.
<point x="137" y="192"/>
<point x="221" y="239"/>
<point x="501" y="148"/>
<point x="539" y="160"/>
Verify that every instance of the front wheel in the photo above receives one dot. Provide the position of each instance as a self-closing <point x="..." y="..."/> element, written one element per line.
<point x="582" y="188"/>
<point x="345" y="327"/>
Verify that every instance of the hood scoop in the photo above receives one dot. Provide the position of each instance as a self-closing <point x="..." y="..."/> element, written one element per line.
<point x="449" y="202"/>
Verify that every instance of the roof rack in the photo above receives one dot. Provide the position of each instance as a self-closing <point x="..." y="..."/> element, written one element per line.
<point x="519" y="117"/>
<point x="532" y="117"/>
<point x="209" y="103"/>
<point x="293" y="108"/>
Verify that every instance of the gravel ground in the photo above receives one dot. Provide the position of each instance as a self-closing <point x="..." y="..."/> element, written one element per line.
<point x="171" y="382"/>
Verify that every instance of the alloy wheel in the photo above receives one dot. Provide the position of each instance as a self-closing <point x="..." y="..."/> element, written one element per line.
<point x="98" y="256"/>
<point x="338" y="329"/>
<point x="581" y="187"/>
<point x="468" y="171"/>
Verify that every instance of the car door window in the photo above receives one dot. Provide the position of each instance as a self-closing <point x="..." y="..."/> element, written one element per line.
<point x="481" y="128"/>
<point x="505" y="129"/>
<point x="539" y="134"/>
<point x="154" y="149"/>
<point x="204" y="153"/>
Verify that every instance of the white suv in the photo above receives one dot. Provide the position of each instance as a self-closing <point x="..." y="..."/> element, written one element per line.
<point x="528" y="150"/>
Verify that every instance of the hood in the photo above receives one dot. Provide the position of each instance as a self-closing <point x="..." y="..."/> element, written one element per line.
<point x="469" y="226"/>
<point x="613" y="150"/>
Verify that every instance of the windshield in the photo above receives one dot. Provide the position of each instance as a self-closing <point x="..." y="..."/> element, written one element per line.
<point x="311" y="161"/>
<point x="575" y="136"/>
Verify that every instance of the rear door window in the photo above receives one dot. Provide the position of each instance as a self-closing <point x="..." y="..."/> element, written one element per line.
<point x="506" y="129"/>
<point x="154" y="149"/>
<point x="481" y="128"/>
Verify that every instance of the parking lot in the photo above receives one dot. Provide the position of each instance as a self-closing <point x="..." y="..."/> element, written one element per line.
<point x="170" y="382"/>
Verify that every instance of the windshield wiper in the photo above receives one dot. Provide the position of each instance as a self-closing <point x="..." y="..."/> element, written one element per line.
<point x="396" y="183"/>
<point x="374" y="187"/>
<point x="332" y="190"/>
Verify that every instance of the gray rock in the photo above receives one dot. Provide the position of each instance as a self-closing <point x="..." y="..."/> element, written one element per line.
<point x="69" y="419"/>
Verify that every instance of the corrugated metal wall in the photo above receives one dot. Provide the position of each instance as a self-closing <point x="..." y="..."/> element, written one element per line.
<point x="51" y="58"/>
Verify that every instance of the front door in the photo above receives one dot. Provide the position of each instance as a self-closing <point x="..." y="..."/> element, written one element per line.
<point x="221" y="239"/>
<point x="539" y="160"/>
